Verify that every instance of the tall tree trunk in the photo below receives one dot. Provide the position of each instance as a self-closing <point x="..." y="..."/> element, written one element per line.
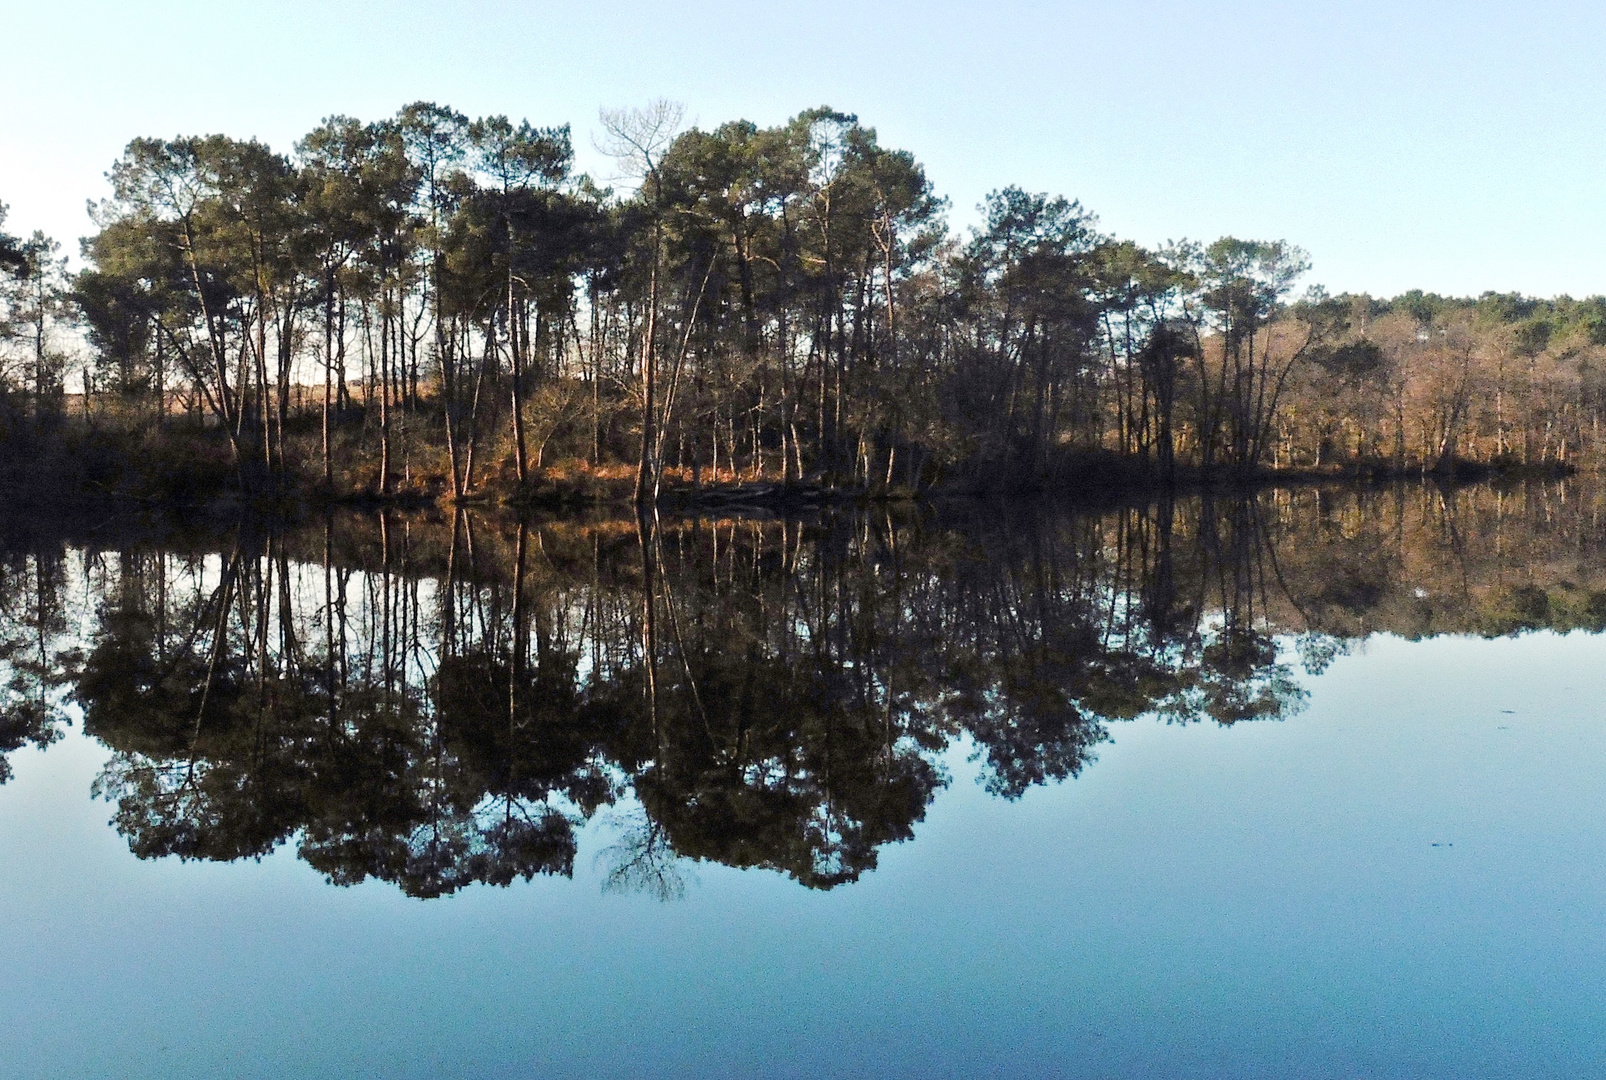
<point x="384" y="396"/>
<point x="516" y="356"/>
<point x="646" y="468"/>
<point x="474" y="408"/>
<point x="328" y="376"/>
<point x="446" y="350"/>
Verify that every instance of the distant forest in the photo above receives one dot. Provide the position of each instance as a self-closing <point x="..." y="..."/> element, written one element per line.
<point x="436" y="306"/>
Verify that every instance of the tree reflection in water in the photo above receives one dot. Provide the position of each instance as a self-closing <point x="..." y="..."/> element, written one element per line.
<point x="441" y="702"/>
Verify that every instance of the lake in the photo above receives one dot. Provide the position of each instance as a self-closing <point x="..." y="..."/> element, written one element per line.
<point x="1307" y="782"/>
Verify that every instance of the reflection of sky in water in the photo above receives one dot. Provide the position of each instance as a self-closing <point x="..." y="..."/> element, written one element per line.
<point x="1262" y="900"/>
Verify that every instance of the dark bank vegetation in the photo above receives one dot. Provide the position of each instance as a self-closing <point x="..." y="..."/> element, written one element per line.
<point x="442" y="698"/>
<point x="438" y="307"/>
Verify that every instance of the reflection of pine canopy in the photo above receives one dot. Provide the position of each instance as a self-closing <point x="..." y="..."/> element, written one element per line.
<point x="438" y="704"/>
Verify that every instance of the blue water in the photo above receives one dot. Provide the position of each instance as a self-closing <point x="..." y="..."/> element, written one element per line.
<point x="1407" y="879"/>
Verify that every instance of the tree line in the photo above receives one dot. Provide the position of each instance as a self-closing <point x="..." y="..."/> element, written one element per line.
<point x="441" y="305"/>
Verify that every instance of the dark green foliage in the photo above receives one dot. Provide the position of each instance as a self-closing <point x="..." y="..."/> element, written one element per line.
<point x="436" y="306"/>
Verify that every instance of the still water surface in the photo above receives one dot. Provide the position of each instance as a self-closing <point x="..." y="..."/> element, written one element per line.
<point x="1304" y="785"/>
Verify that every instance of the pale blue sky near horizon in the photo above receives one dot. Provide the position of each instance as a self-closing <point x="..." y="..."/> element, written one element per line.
<point x="1454" y="147"/>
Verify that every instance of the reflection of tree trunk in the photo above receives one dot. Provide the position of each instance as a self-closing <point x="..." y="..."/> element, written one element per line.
<point x="1447" y="505"/>
<point x="289" y="643"/>
<point x="680" y="641"/>
<point x="329" y="617"/>
<point x="1263" y="539"/>
<point x="646" y="537"/>
<point x="386" y="609"/>
<point x="223" y="598"/>
<point x="449" y="591"/>
<point x="520" y="634"/>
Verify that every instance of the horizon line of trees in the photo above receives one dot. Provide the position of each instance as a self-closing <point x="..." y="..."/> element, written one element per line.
<point x="432" y="298"/>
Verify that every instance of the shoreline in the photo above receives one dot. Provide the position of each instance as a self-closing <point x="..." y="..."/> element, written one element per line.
<point x="568" y="496"/>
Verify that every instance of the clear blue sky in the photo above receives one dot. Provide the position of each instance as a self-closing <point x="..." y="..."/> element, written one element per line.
<point x="1455" y="147"/>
